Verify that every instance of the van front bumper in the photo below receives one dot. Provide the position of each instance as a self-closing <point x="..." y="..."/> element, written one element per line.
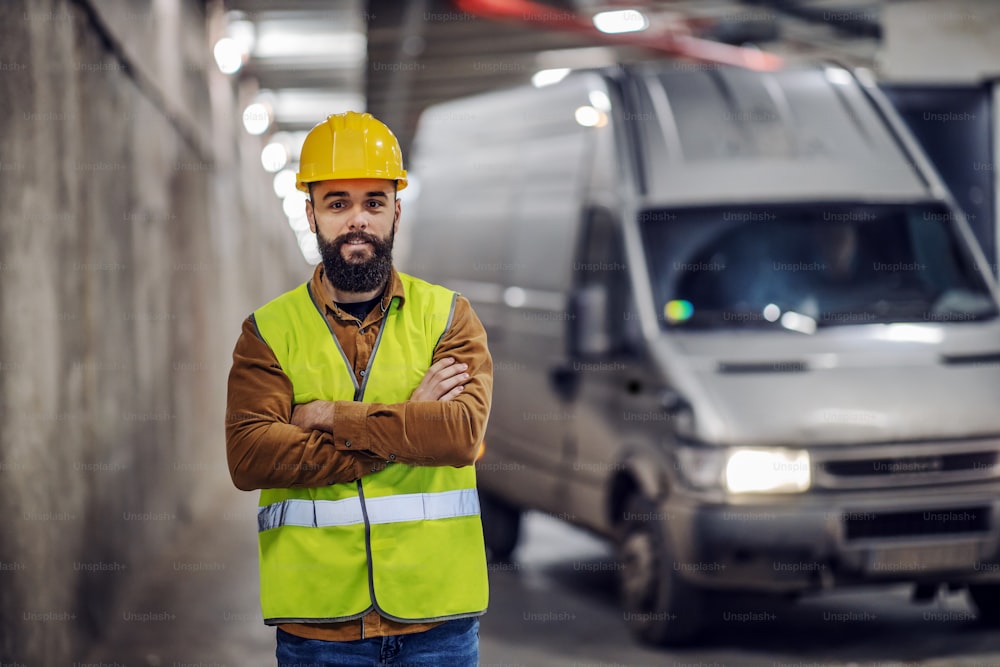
<point x="810" y="542"/>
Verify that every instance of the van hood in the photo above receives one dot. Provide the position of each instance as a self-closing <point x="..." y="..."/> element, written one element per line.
<point x="843" y="385"/>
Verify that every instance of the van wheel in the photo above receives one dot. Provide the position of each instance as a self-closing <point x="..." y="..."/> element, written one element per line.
<point x="660" y="607"/>
<point x="501" y="526"/>
<point x="987" y="600"/>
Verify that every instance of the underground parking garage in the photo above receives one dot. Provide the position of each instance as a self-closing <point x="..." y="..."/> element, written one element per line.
<point x="148" y="161"/>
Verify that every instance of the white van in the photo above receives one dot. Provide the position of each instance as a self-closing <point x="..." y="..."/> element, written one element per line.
<point x="739" y="327"/>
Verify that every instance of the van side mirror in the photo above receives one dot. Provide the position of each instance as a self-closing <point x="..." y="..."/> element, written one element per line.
<point x="589" y="335"/>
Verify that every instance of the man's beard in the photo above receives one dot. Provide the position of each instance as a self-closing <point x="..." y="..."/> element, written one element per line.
<point x="356" y="275"/>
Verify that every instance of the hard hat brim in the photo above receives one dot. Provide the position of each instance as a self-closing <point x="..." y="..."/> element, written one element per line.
<point x="303" y="185"/>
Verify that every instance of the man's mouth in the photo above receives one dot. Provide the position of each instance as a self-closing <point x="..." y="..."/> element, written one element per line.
<point x="357" y="240"/>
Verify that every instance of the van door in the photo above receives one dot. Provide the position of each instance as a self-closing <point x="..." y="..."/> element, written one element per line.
<point x="616" y="389"/>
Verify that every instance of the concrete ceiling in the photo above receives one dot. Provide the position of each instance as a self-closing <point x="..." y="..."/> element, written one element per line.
<point x="393" y="58"/>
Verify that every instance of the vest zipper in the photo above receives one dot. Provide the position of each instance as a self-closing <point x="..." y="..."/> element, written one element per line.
<point x="360" y="392"/>
<point x="368" y="552"/>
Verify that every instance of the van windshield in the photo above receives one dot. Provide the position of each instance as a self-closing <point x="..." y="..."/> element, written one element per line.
<point x="811" y="265"/>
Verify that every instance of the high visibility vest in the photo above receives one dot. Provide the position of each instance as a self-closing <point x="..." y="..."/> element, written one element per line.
<point x="408" y="540"/>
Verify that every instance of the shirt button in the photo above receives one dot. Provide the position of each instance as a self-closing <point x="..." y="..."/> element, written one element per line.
<point x="363" y="373"/>
<point x="347" y="443"/>
<point x="373" y="468"/>
<point x="392" y="457"/>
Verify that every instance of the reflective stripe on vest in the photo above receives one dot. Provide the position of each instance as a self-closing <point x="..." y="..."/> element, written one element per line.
<point x="407" y="540"/>
<point x="387" y="509"/>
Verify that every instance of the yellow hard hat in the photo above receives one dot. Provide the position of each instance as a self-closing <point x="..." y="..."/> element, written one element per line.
<point x="350" y="145"/>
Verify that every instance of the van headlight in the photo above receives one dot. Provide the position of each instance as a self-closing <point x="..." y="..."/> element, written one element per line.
<point x="746" y="470"/>
<point x="767" y="471"/>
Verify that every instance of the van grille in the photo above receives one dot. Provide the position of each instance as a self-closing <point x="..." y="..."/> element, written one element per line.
<point x="869" y="525"/>
<point x="913" y="465"/>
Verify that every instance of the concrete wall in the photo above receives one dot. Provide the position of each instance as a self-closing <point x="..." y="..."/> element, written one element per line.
<point x="929" y="41"/>
<point x="137" y="229"/>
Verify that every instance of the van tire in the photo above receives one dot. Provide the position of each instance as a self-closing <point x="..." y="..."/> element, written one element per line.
<point x="987" y="601"/>
<point x="501" y="527"/>
<point x="660" y="607"/>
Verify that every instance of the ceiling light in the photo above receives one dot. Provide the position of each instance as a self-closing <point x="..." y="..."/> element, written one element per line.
<point x="284" y="183"/>
<point x="619" y="21"/>
<point x="228" y="55"/>
<point x="309" y="247"/>
<point x="256" y="118"/>
<point x="294" y="204"/>
<point x="274" y="156"/>
<point x="547" y="77"/>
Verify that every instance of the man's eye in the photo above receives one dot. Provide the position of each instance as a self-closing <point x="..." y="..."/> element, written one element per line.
<point x="374" y="203"/>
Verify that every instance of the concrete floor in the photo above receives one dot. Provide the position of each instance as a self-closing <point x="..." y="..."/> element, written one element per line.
<point x="198" y="604"/>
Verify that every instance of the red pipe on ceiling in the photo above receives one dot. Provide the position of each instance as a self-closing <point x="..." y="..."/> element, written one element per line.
<point x="666" y="41"/>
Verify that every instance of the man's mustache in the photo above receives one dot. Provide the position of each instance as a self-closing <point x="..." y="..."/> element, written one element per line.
<point x="352" y="237"/>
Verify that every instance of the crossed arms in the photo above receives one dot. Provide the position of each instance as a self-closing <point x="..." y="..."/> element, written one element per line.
<point x="272" y="444"/>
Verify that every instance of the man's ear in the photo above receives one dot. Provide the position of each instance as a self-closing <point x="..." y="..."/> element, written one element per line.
<point x="399" y="212"/>
<point x="310" y="216"/>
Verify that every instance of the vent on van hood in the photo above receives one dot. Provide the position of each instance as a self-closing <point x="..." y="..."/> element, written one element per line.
<point x="763" y="367"/>
<point x="971" y="359"/>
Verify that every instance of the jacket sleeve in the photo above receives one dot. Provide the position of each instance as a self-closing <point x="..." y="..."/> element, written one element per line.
<point x="264" y="450"/>
<point x="431" y="433"/>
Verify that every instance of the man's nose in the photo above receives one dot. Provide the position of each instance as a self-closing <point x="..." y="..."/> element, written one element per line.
<point x="358" y="218"/>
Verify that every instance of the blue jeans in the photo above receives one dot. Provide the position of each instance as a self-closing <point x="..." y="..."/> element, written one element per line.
<point x="451" y="644"/>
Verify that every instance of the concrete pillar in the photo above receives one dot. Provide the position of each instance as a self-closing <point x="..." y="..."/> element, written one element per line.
<point x="137" y="230"/>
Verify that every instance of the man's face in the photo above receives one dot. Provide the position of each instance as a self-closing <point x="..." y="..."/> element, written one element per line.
<point x="355" y="221"/>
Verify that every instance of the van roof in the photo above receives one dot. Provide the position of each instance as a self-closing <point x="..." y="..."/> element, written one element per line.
<point x="713" y="134"/>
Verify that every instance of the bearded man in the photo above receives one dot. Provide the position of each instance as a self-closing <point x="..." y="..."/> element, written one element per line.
<point x="357" y="405"/>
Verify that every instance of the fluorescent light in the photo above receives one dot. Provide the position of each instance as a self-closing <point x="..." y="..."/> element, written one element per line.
<point x="309" y="247"/>
<point x="294" y="203"/>
<point x="284" y="183"/>
<point x="317" y="40"/>
<point x="274" y="157"/>
<point x="228" y="55"/>
<point x="619" y="21"/>
<point x="546" y="77"/>
<point x="256" y="118"/>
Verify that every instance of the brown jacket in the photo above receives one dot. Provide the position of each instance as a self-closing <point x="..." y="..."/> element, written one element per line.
<point x="265" y="450"/>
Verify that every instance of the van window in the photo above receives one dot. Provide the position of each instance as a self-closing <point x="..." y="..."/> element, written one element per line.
<point x="831" y="264"/>
<point x="601" y="261"/>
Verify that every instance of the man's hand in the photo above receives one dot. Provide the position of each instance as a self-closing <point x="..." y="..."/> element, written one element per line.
<point x="314" y="416"/>
<point x="443" y="381"/>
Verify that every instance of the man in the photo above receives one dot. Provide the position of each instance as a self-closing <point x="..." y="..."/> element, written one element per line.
<point x="357" y="404"/>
